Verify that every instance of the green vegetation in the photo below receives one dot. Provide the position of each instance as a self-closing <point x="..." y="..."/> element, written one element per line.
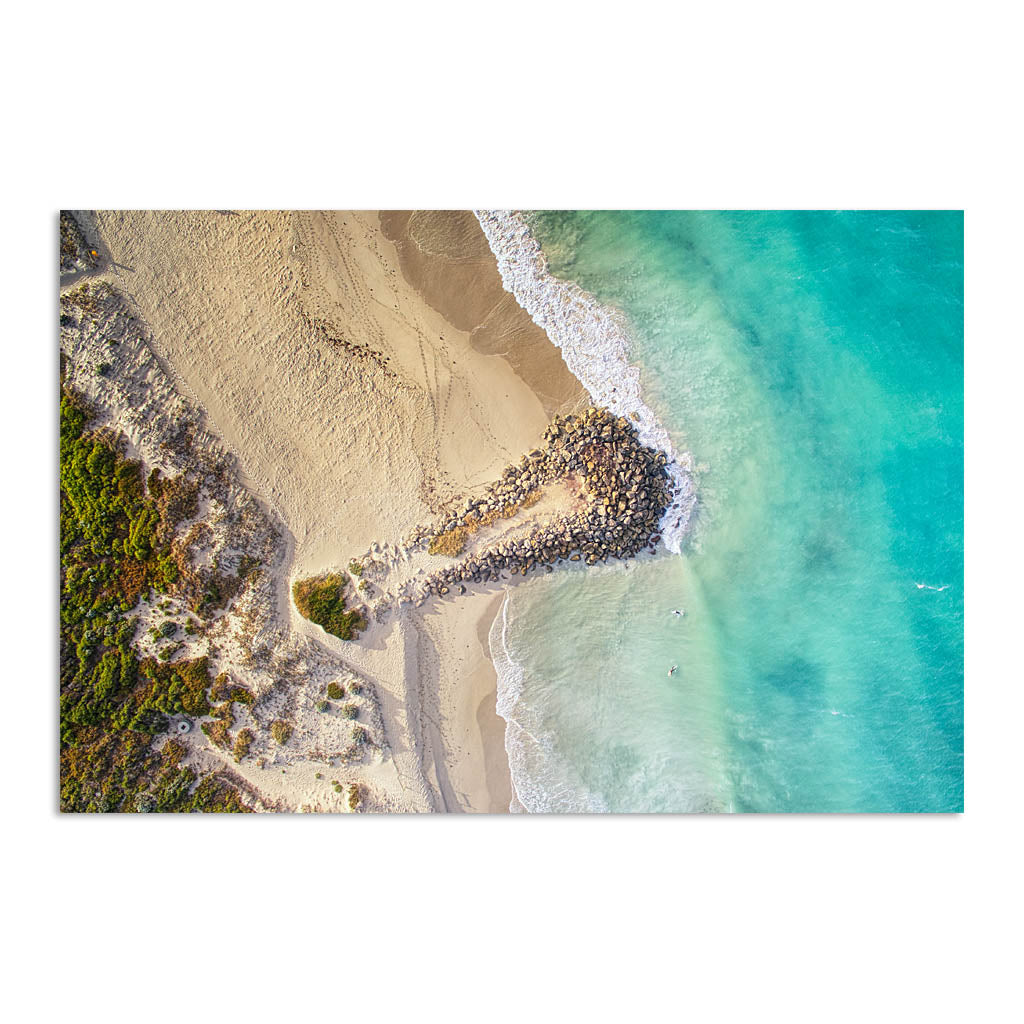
<point x="281" y="731"/>
<point x="355" y="568"/>
<point x="355" y="797"/>
<point x="218" y="730"/>
<point x="323" y="705"/>
<point x="350" y="711"/>
<point x="114" y="547"/>
<point x="243" y="741"/>
<point x="224" y="689"/>
<point x="335" y="691"/>
<point x="321" y="599"/>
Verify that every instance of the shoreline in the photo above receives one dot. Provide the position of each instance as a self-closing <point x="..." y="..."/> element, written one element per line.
<point x="352" y="434"/>
<point x="594" y="342"/>
<point x="446" y="259"/>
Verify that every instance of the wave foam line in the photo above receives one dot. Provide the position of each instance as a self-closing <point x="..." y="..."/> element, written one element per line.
<point x="594" y="341"/>
<point x="543" y="783"/>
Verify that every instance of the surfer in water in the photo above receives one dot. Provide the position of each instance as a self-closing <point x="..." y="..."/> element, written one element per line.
<point x="672" y="670"/>
<point x="677" y="611"/>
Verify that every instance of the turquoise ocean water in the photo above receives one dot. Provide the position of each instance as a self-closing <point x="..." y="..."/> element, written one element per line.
<point x="812" y="366"/>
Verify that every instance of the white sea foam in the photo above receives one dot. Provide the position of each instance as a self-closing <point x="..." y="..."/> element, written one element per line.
<point x="594" y="340"/>
<point x="542" y="782"/>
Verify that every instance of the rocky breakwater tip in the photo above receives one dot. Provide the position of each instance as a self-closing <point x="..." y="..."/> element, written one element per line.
<point x="623" y="488"/>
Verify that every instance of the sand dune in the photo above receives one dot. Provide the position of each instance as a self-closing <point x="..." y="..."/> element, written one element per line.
<point x="362" y="375"/>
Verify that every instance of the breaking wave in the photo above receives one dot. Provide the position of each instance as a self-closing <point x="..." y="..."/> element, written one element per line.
<point x="594" y="341"/>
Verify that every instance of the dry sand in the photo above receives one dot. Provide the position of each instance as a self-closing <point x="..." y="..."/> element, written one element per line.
<point x="363" y="369"/>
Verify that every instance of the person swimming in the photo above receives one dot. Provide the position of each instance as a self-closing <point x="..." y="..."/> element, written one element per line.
<point x="672" y="670"/>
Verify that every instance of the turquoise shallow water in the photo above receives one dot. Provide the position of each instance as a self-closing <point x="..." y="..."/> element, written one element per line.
<point x="812" y="363"/>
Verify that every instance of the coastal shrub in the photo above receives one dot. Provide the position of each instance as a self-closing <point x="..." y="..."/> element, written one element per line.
<point x="145" y="803"/>
<point x="350" y="711"/>
<point x="451" y="543"/>
<point x="335" y="691"/>
<point x="73" y="246"/>
<point x="111" y="704"/>
<point x="217" y="730"/>
<point x="115" y="540"/>
<point x="221" y="687"/>
<point x="243" y="742"/>
<point x="323" y="705"/>
<point x="281" y="731"/>
<point x="355" y="797"/>
<point x="172" y="752"/>
<point x="321" y="599"/>
<point x="355" y="568"/>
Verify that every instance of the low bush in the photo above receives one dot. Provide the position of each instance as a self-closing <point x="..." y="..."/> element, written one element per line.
<point x="321" y="599"/>
<point x="335" y="691"/>
<point x="451" y="542"/>
<point x="243" y="743"/>
<point x="281" y="731"/>
<point x="112" y="540"/>
<point x="217" y="730"/>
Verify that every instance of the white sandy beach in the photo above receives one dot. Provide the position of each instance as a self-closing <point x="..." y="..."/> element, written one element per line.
<point x="362" y="375"/>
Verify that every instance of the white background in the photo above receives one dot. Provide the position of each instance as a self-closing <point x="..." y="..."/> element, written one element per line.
<point x="527" y="105"/>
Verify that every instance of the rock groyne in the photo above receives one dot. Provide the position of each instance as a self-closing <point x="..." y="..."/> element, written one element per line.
<point x="623" y="486"/>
